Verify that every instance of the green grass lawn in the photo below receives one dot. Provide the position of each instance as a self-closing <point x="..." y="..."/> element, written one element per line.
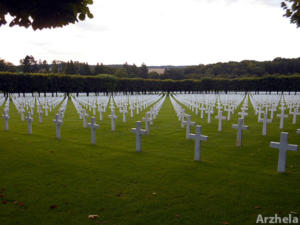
<point x="161" y="185"/>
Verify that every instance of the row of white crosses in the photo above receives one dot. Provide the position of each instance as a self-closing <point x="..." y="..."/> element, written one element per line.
<point x="265" y="103"/>
<point x="20" y="104"/>
<point x="198" y="137"/>
<point x="229" y="106"/>
<point x="134" y="102"/>
<point x="90" y="103"/>
<point x="283" y="145"/>
<point x="208" y="102"/>
<point x="83" y="103"/>
<point x="139" y="131"/>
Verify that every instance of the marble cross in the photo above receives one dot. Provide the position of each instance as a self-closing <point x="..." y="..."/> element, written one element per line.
<point x="196" y="110"/>
<point x="6" y="118"/>
<point x="182" y="114"/>
<point x="147" y="119"/>
<point x="202" y="109"/>
<point x="240" y="127"/>
<point x="113" y="118"/>
<point x="131" y="107"/>
<point x="101" y="111"/>
<point x="272" y="110"/>
<point x="295" y="113"/>
<point x="94" y="109"/>
<point x="259" y="111"/>
<point x="198" y="137"/>
<point x="220" y="117"/>
<point x="209" y="111"/>
<point x="265" y="122"/>
<point x="84" y="117"/>
<point x="188" y="123"/>
<point x="93" y="127"/>
<point x="40" y="115"/>
<point x="282" y="116"/>
<point x="298" y="131"/>
<point x="29" y="120"/>
<point x="139" y="132"/>
<point x="124" y="111"/>
<point x="58" y="122"/>
<point x="283" y="147"/>
<point x="22" y="113"/>
<point x="46" y="110"/>
<point x="229" y="111"/>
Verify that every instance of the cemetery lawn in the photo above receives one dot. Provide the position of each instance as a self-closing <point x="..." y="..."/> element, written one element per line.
<point x="44" y="181"/>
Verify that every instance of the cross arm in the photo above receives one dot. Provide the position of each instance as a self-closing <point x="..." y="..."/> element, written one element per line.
<point x="203" y="138"/>
<point x="293" y="147"/>
<point x="274" y="144"/>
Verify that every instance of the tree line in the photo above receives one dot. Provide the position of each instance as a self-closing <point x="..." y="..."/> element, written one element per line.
<point x="11" y="82"/>
<point x="246" y="68"/>
<point x="30" y="65"/>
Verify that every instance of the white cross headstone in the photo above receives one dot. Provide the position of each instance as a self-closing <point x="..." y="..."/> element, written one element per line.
<point x="188" y="123"/>
<point x="113" y="118"/>
<point x="101" y="111"/>
<point x="198" y="137"/>
<point x="209" y="111"/>
<point x="229" y="111"/>
<point x="259" y="111"/>
<point x="282" y="116"/>
<point x="29" y="120"/>
<point x="6" y="118"/>
<point x="265" y="122"/>
<point x="295" y="113"/>
<point x="283" y="147"/>
<point x="124" y="111"/>
<point x="84" y="117"/>
<point x="139" y="132"/>
<point x="40" y="115"/>
<point x="272" y="110"/>
<point x="131" y="107"/>
<point x="22" y="113"/>
<point x="147" y="119"/>
<point x="182" y="114"/>
<point x="202" y="109"/>
<point x="220" y="117"/>
<point x="58" y="122"/>
<point x="93" y="127"/>
<point x="298" y="131"/>
<point x="240" y="127"/>
<point x="46" y="110"/>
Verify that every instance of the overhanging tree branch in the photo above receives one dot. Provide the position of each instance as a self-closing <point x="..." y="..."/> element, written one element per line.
<point x="40" y="14"/>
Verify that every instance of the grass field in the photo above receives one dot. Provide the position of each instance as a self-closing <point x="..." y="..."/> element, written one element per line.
<point x="160" y="186"/>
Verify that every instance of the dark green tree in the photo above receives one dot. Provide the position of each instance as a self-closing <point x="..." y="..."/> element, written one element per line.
<point x="40" y="14"/>
<point x="99" y="69"/>
<point x="29" y="64"/>
<point x="143" y="71"/>
<point x="292" y="10"/>
<point x="84" y="69"/>
<point x="54" y="67"/>
<point x="70" y="68"/>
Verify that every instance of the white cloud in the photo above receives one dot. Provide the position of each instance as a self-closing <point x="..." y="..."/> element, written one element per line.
<point x="163" y="32"/>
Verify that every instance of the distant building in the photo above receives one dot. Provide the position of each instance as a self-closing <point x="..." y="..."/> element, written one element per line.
<point x="157" y="70"/>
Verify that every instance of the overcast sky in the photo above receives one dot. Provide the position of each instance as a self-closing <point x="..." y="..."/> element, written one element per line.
<point x="162" y="32"/>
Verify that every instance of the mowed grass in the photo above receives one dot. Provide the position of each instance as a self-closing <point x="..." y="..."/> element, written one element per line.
<point x="160" y="185"/>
